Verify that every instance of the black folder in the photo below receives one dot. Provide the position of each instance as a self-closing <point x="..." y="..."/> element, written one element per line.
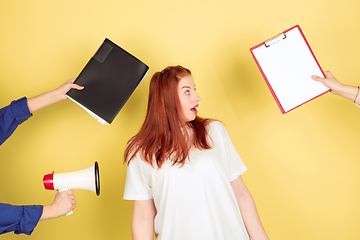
<point x="109" y="79"/>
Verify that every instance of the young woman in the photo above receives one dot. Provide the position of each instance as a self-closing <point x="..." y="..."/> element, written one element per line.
<point x="183" y="173"/>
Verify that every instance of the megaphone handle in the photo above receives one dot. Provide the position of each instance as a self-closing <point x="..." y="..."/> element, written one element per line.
<point x="65" y="189"/>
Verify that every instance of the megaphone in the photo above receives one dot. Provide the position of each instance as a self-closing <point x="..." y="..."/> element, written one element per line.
<point x="86" y="179"/>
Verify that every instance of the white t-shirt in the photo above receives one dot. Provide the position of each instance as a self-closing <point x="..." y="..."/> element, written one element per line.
<point x="195" y="201"/>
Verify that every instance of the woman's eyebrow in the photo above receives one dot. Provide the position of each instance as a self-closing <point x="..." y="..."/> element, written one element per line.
<point x="185" y="87"/>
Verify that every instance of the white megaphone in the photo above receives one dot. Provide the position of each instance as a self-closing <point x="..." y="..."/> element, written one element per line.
<point x="86" y="179"/>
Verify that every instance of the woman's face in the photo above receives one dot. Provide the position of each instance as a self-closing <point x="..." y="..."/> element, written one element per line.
<point x="188" y="98"/>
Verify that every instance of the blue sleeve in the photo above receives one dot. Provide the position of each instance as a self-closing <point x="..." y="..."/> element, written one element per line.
<point x="12" y="116"/>
<point x="19" y="219"/>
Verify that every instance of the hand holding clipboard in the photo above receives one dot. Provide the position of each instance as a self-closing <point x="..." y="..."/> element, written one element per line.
<point x="287" y="64"/>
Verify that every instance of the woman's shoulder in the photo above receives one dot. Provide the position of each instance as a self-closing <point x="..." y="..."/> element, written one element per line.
<point x="216" y="128"/>
<point x="216" y="124"/>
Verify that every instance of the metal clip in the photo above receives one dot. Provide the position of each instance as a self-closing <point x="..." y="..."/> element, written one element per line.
<point x="275" y="39"/>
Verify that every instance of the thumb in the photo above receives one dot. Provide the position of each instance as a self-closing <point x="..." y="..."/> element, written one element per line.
<point x="78" y="87"/>
<point x="316" y="78"/>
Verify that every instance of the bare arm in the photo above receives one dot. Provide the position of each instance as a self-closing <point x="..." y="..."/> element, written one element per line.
<point x="54" y="96"/>
<point x="142" y="224"/>
<point x="337" y="87"/>
<point x="248" y="210"/>
<point x="63" y="203"/>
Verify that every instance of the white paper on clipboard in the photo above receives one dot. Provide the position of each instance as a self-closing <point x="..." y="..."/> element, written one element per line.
<point x="287" y="64"/>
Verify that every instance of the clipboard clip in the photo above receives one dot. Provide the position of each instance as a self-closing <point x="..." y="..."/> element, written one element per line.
<point x="275" y="39"/>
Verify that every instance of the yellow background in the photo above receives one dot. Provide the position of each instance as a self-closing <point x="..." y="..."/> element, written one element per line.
<point x="303" y="166"/>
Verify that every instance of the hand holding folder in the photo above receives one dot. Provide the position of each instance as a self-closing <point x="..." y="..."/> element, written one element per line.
<point x="109" y="79"/>
<point x="287" y="64"/>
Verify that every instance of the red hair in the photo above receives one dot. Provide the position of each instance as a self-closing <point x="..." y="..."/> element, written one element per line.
<point x="162" y="136"/>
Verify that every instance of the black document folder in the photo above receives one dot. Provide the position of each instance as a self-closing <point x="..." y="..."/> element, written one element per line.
<point x="109" y="79"/>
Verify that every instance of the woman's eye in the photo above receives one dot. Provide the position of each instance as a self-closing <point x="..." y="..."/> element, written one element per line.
<point x="187" y="92"/>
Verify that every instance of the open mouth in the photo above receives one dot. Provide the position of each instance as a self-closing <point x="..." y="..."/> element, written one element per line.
<point x="194" y="110"/>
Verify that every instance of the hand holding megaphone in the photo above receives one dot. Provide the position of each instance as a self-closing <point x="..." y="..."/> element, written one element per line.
<point x="65" y="189"/>
<point x="86" y="179"/>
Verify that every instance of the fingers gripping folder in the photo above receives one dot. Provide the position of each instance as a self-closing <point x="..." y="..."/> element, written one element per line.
<point x="287" y="63"/>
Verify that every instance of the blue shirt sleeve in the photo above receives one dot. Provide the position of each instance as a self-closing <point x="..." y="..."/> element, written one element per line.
<point x="19" y="219"/>
<point x="12" y="116"/>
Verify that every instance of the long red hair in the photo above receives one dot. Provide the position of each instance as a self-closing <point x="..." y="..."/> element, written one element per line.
<point x="162" y="134"/>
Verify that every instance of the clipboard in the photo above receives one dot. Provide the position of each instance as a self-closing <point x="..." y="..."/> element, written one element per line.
<point x="287" y="63"/>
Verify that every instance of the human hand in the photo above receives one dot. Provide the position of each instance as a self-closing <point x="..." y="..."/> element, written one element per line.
<point x="337" y="87"/>
<point x="330" y="82"/>
<point x="63" y="203"/>
<point x="63" y="89"/>
<point x="54" y="96"/>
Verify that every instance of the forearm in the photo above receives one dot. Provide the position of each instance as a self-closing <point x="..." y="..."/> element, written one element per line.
<point x="48" y="213"/>
<point x="346" y="91"/>
<point x="251" y="217"/>
<point x="142" y="228"/>
<point x="142" y="222"/>
<point x="43" y="100"/>
<point x="248" y="210"/>
<point x="54" y="96"/>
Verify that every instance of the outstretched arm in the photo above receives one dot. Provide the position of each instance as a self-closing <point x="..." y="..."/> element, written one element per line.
<point x="54" y="96"/>
<point x="248" y="210"/>
<point x="23" y="219"/>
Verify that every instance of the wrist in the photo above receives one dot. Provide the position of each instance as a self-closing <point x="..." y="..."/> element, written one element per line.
<point x="57" y="95"/>
<point x="47" y="213"/>
<point x="346" y="91"/>
<point x="357" y="97"/>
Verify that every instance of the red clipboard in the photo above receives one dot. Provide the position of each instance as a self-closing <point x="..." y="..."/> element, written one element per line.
<point x="287" y="63"/>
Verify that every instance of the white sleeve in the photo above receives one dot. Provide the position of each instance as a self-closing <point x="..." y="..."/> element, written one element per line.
<point x="231" y="159"/>
<point x="135" y="184"/>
